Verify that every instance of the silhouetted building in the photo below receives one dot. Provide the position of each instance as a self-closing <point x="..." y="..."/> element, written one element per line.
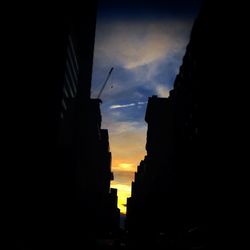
<point x="57" y="133"/>
<point x="149" y="210"/>
<point x="187" y="180"/>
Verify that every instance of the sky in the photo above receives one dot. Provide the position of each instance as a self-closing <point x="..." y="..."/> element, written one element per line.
<point x="145" y="42"/>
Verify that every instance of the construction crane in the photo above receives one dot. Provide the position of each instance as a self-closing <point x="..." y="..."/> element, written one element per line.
<point x="103" y="86"/>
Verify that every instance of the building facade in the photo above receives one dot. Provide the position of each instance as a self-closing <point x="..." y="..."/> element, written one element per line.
<point x="58" y="137"/>
<point x="181" y="165"/>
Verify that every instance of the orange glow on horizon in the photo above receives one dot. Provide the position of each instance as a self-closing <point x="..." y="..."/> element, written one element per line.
<point x="124" y="170"/>
<point x="125" y="166"/>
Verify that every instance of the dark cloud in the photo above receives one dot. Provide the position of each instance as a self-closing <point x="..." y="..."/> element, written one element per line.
<point x="148" y="8"/>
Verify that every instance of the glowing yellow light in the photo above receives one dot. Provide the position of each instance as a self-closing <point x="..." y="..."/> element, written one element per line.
<point x="127" y="144"/>
<point x="124" y="191"/>
<point x="125" y="166"/>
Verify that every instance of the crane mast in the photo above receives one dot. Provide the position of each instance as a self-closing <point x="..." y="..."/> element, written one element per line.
<point x="107" y="78"/>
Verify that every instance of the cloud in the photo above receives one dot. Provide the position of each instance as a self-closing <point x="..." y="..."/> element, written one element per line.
<point x="162" y="90"/>
<point x="143" y="53"/>
<point x="132" y="44"/>
<point x="118" y="128"/>
<point x="128" y="147"/>
<point x="123" y="176"/>
<point x="127" y="142"/>
<point x="117" y="106"/>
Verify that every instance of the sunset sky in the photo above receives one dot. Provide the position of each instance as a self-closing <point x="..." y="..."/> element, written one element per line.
<point x="145" y="43"/>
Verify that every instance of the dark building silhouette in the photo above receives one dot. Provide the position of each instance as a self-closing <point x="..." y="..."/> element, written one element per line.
<point x="150" y="208"/>
<point x="181" y="201"/>
<point x="56" y="198"/>
<point x="87" y="161"/>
